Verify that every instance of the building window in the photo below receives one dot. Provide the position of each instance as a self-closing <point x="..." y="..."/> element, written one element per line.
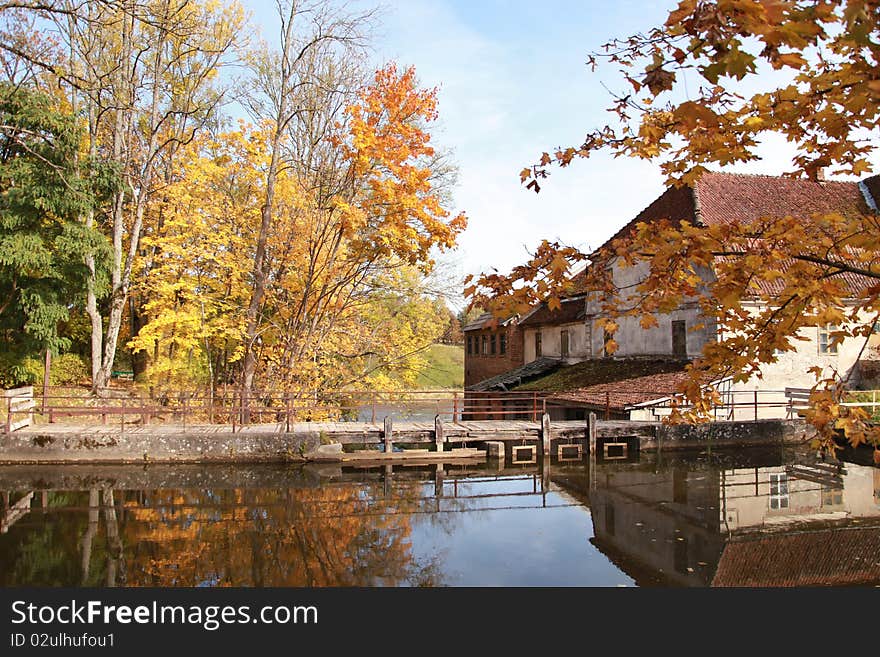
<point x="470" y="345"/>
<point x="492" y="343"/>
<point x="502" y="343"/>
<point x="485" y="345"/>
<point x="563" y="343"/>
<point x="679" y="338"/>
<point x="778" y="490"/>
<point x="538" y="352"/>
<point x="825" y="344"/>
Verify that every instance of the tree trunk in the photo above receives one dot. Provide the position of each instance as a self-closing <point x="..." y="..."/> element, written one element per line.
<point x="259" y="275"/>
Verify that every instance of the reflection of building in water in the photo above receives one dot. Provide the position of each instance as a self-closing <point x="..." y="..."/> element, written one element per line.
<point x="697" y="524"/>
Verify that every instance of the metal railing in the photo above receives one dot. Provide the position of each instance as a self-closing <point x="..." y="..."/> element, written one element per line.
<point x="231" y="407"/>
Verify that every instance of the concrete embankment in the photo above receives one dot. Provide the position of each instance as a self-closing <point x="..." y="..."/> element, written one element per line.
<point x="154" y="445"/>
<point x="302" y="442"/>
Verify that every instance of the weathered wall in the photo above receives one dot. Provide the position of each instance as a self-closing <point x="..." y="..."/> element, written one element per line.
<point x="551" y="342"/>
<point x="673" y="436"/>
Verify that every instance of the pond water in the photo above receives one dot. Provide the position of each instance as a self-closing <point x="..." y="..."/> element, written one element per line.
<point x="750" y="518"/>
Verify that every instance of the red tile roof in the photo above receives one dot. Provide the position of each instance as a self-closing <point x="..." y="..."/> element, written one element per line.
<point x="619" y="395"/>
<point x="721" y="198"/>
<point x="727" y="197"/>
<point x="838" y="557"/>
<point x="718" y="198"/>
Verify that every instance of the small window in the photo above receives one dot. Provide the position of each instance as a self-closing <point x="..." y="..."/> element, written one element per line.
<point x="831" y="496"/>
<point x="502" y="343"/>
<point x="779" y="491"/>
<point x="826" y="346"/>
<point x="563" y="343"/>
<point x="538" y="352"/>
<point x="470" y="344"/>
<point x="485" y="345"/>
<point x="492" y="344"/>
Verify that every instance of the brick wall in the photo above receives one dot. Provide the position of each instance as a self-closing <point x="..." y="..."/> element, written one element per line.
<point x="479" y="366"/>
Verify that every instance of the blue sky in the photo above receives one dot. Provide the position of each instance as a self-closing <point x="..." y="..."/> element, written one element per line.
<point x="513" y="82"/>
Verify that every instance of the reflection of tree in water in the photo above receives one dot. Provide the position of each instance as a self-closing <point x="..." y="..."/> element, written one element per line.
<point x="67" y="546"/>
<point x="336" y="535"/>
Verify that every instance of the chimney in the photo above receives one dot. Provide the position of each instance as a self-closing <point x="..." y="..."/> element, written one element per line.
<point x="820" y="174"/>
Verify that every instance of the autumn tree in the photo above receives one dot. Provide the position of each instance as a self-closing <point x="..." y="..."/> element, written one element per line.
<point x="351" y="199"/>
<point x="141" y="76"/>
<point x="827" y="106"/>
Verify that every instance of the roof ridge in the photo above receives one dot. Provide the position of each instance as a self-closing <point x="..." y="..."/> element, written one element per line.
<point x="770" y="176"/>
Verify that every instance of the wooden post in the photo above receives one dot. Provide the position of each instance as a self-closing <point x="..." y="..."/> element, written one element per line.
<point x="387" y="480"/>
<point x="47" y="365"/>
<point x="454" y="408"/>
<point x="287" y="406"/>
<point x="593" y="432"/>
<point x="439" y="438"/>
<point x="373" y="407"/>
<point x="534" y="406"/>
<point x="545" y="481"/>
<point x="388" y="434"/>
<point x="438" y="483"/>
<point x="756" y="404"/>
<point x="545" y="433"/>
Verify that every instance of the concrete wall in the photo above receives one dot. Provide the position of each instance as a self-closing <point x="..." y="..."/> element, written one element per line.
<point x="762" y="432"/>
<point x="155" y="446"/>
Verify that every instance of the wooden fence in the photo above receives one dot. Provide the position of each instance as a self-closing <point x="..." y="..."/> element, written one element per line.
<point x="19" y="402"/>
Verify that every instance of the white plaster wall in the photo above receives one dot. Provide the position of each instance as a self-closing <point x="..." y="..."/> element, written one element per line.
<point x="791" y="370"/>
<point x="551" y="342"/>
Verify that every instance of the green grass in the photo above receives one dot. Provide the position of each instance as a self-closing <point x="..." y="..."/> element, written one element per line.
<point x="445" y="368"/>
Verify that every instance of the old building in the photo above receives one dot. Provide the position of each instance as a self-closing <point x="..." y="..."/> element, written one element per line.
<point x="572" y="333"/>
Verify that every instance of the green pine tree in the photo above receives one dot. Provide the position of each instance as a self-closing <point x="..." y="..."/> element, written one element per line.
<point x="46" y="188"/>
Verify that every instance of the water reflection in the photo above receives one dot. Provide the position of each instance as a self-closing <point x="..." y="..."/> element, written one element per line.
<point x="756" y="518"/>
<point x="759" y="519"/>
